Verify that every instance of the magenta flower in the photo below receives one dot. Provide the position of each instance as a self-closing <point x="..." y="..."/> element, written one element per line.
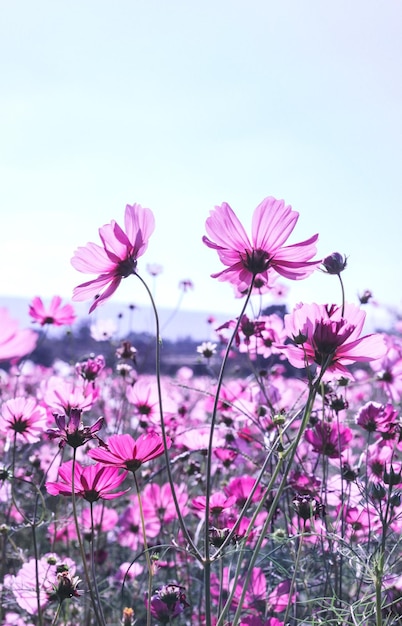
<point x="117" y="259"/>
<point x="329" y="438"/>
<point x="90" y="368"/>
<point x="159" y="497"/>
<point x="92" y="482"/>
<point x="272" y="224"/>
<point x="374" y="416"/>
<point x="55" y="314"/>
<point x="24" y="417"/>
<point x="240" y="487"/>
<point x="218" y="503"/>
<point x="129" y="525"/>
<point x="124" y="451"/>
<point x="280" y="597"/>
<point x="168" y="602"/>
<point x="14" y="342"/>
<point x="71" y="430"/>
<point x="330" y="337"/>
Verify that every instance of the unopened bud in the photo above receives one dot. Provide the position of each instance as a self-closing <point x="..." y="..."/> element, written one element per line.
<point x="335" y="263"/>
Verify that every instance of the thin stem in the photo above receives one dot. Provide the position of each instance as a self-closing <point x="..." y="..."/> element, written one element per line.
<point x="56" y="615"/>
<point x="343" y="295"/>
<point x="146" y="549"/>
<point x="290" y="453"/>
<point x="94" y="599"/>
<point x="293" y="581"/>
<point x="182" y="524"/>
<point x="207" y="559"/>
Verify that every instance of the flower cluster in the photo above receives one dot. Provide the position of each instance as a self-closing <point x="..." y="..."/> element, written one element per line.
<point x="255" y="482"/>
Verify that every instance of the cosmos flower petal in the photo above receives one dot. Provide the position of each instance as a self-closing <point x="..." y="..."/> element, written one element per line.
<point x="272" y="224"/>
<point x="117" y="258"/>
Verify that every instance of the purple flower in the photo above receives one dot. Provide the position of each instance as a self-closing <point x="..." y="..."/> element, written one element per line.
<point x="71" y="431"/>
<point x="167" y="602"/>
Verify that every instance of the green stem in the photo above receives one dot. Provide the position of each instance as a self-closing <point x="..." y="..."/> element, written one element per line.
<point x="94" y="599"/>
<point x="343" y="295"/>
<point x="146" y="549"/>
<point x="182" y="524"/>
<point x="290" y="453"/>
<point x="208" y="489"/>
<point x="293" y="581"/>
<point x="56" y="615"/>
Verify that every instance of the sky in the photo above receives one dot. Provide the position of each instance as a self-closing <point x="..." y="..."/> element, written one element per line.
<point x="180" y="106"/>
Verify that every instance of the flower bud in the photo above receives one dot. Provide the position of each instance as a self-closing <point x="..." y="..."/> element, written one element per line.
<point x="335" y="263"/>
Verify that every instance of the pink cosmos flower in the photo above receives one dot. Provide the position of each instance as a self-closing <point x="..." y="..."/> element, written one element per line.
<point x="117" y="259"/>
<point x="65" y="395"/>
<point x="91" y="482"/>
<point x="129" y="526"/>
<point x="389" y="369"/>
<point x="218" y="503"/>
<point x="71" y="430"/>
<point x="14" y="342"/>
<point x="374" y="416"/>
<point x="24" y="417"/>
<point x="329" y="438"/>
<point x="326" y="335"/>
<point x="55" y="314"/>
<point x="124" y="451"/>
<point x="55" y="578"/>
<point x="168" y="602"/>
<point x="272" y="224"/>
<point x="103" y="518"/>
<point x="161" y="499"/>
<point x="240" y="487"/>
<point x="90" y="368"/>
<point x="144" y="396"/>
<point x="280" y="597"/>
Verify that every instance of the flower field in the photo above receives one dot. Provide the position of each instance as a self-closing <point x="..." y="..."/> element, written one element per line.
<point x="265" y="492"/>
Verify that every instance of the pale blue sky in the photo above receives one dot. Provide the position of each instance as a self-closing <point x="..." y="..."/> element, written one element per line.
<point x="181" y="105"/>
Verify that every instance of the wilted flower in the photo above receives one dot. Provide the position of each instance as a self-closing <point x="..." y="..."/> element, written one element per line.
<point x="308" y="507"/>
<point x="365" y="297"/>
<point x="127" y="617"/>
<point x="65" y="586"/>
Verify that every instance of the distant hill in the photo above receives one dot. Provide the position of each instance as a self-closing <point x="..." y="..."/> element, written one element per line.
<point x="175" y="325"/>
